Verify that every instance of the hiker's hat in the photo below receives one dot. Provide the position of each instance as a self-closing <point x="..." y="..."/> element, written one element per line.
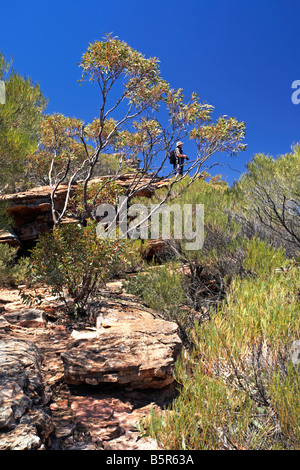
<point x="179" y="143"/>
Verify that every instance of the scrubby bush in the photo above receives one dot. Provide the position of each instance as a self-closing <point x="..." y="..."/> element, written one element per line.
<point x="207" y="272"/>
<point x="6" y="220"/>
<point x="267" y="200"/>
<point x="240" y="386"/>
<point x="162" y="289"/>
<point x="105" y="192"/>
<point x="73" y="262"/>
<point x="211" y="269"/>
<point x="12" y="270"/>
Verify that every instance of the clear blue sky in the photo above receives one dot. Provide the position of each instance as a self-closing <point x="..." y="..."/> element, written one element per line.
<point x="241" y="56"/>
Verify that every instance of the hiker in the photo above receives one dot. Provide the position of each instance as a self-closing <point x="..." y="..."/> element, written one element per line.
<point x="179" y="159"/>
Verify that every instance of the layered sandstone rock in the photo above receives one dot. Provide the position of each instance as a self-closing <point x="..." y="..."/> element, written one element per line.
<point x="31" y="210"/>
<point x="31" y="213"/>
<point x="130" y="346"/>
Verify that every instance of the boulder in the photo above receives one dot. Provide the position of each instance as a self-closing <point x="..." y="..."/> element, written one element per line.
<point x="4" y="324"/>
<point x="98" y="416"/>
<point x="24" y="424"/>
<point x="131" y="346"/>
<point x="28" y="318"/>
<point x="10" y="238"/>
<point x="38" y="411"/>
<point x="155" y="248"/>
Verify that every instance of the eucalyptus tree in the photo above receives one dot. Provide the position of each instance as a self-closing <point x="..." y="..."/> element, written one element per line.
<point x="139" y="116"/>
<point x="20" y="117"/>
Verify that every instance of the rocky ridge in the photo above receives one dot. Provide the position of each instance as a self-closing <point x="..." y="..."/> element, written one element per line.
<point x="83" y="387"/>
<point x="31" y="210"/>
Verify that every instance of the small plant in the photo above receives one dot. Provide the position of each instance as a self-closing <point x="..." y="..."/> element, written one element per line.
<point x="6" y="220"/>
<point x="162" y="289"/>
<point x="12" y="270"/>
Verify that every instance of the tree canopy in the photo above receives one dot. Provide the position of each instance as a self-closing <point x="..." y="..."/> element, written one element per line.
<point x="269" y="192"/>
<point x="19" y="124"/>
<point x="140" y="116"/>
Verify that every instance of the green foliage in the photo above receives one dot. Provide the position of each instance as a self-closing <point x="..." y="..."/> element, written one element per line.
<point x="132" y="257"/>
<point x="228" y="132"/>
<point x="221" y="233"/>
<point x="239" y="384"/>
<point x="12" y="270"/>
<point x="72" y="262"/>
<point x="59" y="140"/>
<point x="105" y="192"/>
<point x="268" y="194"/>
<point x="263" y="260"/>
<point x="212" y="268"/>
<point x="19" y="120"/>
<point x="6" y="221"/>
<point x="285" y="393"/>
<point x="7" y="258"/>
<point x="109" y="60"/>
<point x="216" y="199"/>
<point x="207" y="415"/>
<point x="161" y="288"/>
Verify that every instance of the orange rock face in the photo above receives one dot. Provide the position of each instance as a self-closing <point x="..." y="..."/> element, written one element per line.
<point x="31" y="210"/>
<point x="130" y="346"/>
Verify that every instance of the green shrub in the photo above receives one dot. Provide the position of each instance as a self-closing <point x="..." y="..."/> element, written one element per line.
<point x="239" y="387"/>
<point x="285" y="396"/>
<point x="207" y="415"/>
<point x="6" y="221"/>
<point x="12" y="270"/>
<point x="162" y="289"/>
<point x="132" y="257"/>
<point x="72" y="261"/>
<point x="267" y="199"/>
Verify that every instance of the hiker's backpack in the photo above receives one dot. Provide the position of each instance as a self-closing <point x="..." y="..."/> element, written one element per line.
<point x="172" y="157"/>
